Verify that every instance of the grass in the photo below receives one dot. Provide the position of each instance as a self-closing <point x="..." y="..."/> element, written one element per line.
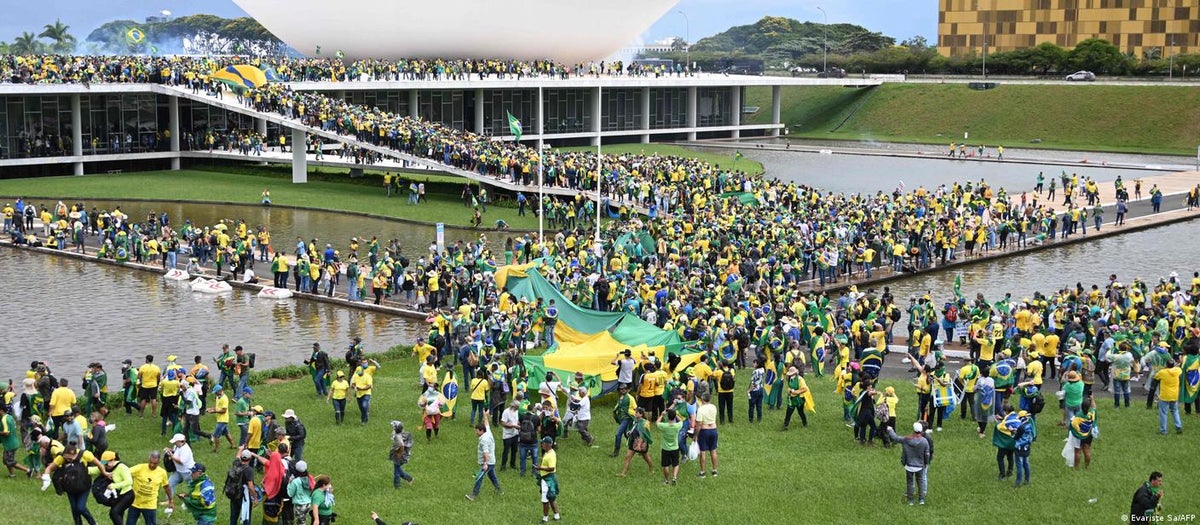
<point x="767" y="476"/>
<point x="196" y="185"/>
<point x="1142" y="119"/>
<point x="722" y="160"/>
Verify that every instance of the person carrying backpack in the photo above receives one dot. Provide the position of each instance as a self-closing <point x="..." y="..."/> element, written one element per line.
<point x="401" y="451"/>
<point x="527" y="439"/>
<point x="725" y="384"/>
<point x="239" y="488"/>
<point x="69" y="474"/>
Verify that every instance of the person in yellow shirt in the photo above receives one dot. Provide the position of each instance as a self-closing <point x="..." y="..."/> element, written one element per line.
<point x="148" y="376"/>
<point x="61" y="401"/>
<point x="364" y="381"/>
<point x="1050" y="354"/>
<point x="1033" y="367"/>
<point x="148" y="478"/>
<point x="338" y="390"/>
<point x="254" y="431"/>
<point x="220" y="407"/>
<point x="170" y="390"/>
<point x="725" y="383"/>
<point x="423" y="350"/>
<point x="479" y="388"/>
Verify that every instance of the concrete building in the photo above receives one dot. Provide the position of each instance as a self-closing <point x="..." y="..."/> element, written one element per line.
<point x="64" y="129"/>
<point x="1166" y="27"/>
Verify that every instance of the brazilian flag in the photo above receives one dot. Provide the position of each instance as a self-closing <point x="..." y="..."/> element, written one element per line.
<point x="450" y="392"/>
<point x="1190" y="379"/>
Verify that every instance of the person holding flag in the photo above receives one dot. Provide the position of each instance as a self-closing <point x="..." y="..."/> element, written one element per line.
<point x="799" y="397"/>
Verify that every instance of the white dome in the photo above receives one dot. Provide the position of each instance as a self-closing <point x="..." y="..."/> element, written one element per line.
<point x="568" y="31"/>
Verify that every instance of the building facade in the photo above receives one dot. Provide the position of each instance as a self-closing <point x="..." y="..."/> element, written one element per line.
<point x="1140" y="27"/>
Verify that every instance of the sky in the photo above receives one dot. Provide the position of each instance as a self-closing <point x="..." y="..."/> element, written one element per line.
<point x="900" y="19"/>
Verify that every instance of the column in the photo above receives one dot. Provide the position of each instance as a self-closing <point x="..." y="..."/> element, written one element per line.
<point x="260" y="126"/>
<point x="173" y="129"/>
<point x="691" y="113"/>
<point x="646" y="115"/>
<point x="412" y="104"/>
<point x="776" y="105"/>
<point x="541" y="119"/>
<point x="77" y="132"/>
<point x="299" y="157"/>
<point x="596" y="114"/>
<point x="479" y="111"/>
<point x="735" y="104"/>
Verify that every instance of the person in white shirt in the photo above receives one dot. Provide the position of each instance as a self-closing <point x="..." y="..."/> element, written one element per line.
<point x="510" y="420"/>
<point x="191" y="414"/>
<point x="579" y="414"/>
<point x="625" y="365"/>
<point x="181" y="454"/>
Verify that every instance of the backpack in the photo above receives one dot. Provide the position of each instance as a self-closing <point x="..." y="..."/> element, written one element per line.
<point x="472" y="359"/>
<point x="895" y="315"/>
<point x="72" y="477"/>
<point x="233" y="483"/>
<point x="100" y="492"/>
<point x="727" y="381"/>
<point x="528" y="432"/>
<point x="952" y="314"/>
<point x="1037" y="404"/>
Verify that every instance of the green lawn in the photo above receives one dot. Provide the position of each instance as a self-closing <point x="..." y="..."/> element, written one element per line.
<point x="1149" y="119"/>
<point x="723" y="160"/>
<point x="221" y="186"/>
<point x="807" y="475"/>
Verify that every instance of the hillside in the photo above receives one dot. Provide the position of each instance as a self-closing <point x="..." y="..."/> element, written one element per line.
<point x="1080" y="117"/>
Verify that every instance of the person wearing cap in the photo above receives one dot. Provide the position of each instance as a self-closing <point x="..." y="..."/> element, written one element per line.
<point x="364" y="382"/>
<point x="254" y="430"/>
<point x="338" y="390"/>
<point x="400" y="453"/>
<point x="179" y="453"/>
<point x="73" y="453"/>
<point x="296" y="433"/>
<point x="200" y="498"/>
<point x="169" y="388"/>
<point x="1072" y="396"/>
<point x="547" y="476"/>
<point x="121" y="487"/>
<point x="914" y="456"/>
<point x="221" y="409"/>
<point x="300" y="491"/>
<point x="242" y="470"/>
<point x="129" y="382"/>
<point x="241" y="367"/>
<point x="242" y="412"/>
<point x="148" y="478"/>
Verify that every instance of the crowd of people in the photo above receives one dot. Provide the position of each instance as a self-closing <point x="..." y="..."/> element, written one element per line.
<point x="177" y="69"/>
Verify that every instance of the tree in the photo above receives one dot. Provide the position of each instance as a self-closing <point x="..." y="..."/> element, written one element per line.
<point x="678" y="44"/>
<point x="26" y="44"/>
<point x="1098" y="56"/>
<point x="864" y="41"/>
<point x="1047" y="57"/>
<point x="63" y="42"/>
<point x="916" y="43"/>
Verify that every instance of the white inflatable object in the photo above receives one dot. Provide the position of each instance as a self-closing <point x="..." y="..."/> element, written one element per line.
<point x="175" y="274"/>
<point x="270" y="292"/>
<point x="210" y="286"/>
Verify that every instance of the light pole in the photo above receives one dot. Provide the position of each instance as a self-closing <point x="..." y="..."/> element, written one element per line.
<point x="1171" y="67"/>
<point x="825" y="46"/>
<point x="687" y="41"/>
<point x="985" y="57"/>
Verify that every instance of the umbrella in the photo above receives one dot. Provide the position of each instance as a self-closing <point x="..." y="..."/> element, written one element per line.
<point x="241" y="76"/>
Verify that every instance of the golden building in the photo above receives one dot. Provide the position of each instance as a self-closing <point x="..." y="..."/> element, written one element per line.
<point x="1167" y="27"/>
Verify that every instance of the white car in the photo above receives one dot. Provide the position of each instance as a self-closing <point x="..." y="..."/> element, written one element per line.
<point x="1081" y="76"/>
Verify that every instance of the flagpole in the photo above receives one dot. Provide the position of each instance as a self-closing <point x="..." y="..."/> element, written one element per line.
<point x="541" y="192"/>
<point x="599" y="178"/>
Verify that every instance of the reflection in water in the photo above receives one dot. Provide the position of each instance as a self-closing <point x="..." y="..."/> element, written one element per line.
<point x="72" y="312"/>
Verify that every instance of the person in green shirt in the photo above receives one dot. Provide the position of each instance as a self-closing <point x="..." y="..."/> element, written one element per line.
<point x="10" y="437"/>
<point x="301" y="490"/>
<point x="322" y="499"/>
<point x="242" y="412"/>
<point x="670" y="445"/>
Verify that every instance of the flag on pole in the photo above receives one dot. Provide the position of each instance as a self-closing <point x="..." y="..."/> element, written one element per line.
<point x="958" y="285"/>
<point x="318" y="50"/>
<point x="340" y="54"/>
<point x="514" y="126"/>
<point x="737" y="155"/>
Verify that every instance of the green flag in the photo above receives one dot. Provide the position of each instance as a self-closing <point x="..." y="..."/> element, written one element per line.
<point x="737" y="155"/>
<point x="958" y="285"/>
<point x="514" y="126"/>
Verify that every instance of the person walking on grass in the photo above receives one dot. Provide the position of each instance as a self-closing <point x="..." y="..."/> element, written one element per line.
<point x="639" y="439"/>
<point x="1168" y="396"/>
<point x="706" y="433"/>
<point x="547" y="476"/>
<point x="200" y="498"/>
<point x="913" y="456"/>
<point x="485" y="454"/>
<point x="400" y="453"/>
